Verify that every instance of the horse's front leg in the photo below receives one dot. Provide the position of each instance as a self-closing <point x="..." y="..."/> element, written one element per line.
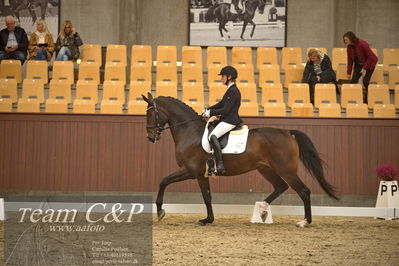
<point x="253" y="28"/>
<point x="177" y="176"/>
<point x="244" y="26"/>
<point x="206" y="194"/>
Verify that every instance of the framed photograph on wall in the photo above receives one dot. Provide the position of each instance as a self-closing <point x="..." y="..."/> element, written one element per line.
<point x="27" y="12"/>
<point x="238" y="23"/>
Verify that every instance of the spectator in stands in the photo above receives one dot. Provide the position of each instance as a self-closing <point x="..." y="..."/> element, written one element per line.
<point x="41" y="43"/>
<point x="13" y="41"/>
<point x="318" y="69"/>
<point x="361" y="58"/>
<point x="68" y="42"/>
<point x="227" y="109"/>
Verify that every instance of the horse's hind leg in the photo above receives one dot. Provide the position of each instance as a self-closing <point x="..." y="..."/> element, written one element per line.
<point x="277" y="182"/>
<point x="304" y="193"/>
<point x="177" y="176"/>
<point x="253" y="28"/>
<point x="206" y="195"/>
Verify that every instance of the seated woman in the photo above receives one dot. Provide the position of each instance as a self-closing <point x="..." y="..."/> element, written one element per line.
<point x="318" y="69"/>
<point x="41" y="43"/>
<point x="68" y="42"/>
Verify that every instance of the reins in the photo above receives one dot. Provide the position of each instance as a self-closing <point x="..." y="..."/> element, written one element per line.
<point x="158" y="125"/>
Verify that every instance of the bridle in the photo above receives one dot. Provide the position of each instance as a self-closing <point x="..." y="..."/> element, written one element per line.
<point x="158" y="126"/>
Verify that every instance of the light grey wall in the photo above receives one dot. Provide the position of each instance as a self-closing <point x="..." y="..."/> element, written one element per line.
<point x="310" y="23"/>
<point x="97" y="21"/>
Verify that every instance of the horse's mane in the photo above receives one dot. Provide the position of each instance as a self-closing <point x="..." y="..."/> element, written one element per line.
<point x="179" y="102"/>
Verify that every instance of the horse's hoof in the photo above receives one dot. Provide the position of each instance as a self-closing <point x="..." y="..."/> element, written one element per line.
<point x="203" y="222"/>
<point x="200" y="223"/>
<point x="263" y="216"/>
<point x="223" y="39"/>
<point x="161" y="214"/>
<point x="302" y="224"/>
<point x="263" y="211"/>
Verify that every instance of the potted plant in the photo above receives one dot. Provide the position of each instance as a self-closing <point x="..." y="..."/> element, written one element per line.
<point x="388" y="192"/>
<point x="387" y="172"/>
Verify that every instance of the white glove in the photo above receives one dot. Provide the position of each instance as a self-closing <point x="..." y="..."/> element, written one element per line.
<point x="206" y="113"/>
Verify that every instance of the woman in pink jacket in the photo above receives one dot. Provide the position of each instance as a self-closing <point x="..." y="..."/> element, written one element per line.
<point x="361" y="58"/>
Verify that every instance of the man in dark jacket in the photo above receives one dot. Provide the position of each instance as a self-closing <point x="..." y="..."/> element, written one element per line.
<point x="13" y="41"/>
<point x="227" y="109"/>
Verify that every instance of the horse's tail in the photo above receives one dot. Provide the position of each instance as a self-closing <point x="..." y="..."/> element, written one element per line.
<point x="312" y="161"/>
<point x="210" y="14"/>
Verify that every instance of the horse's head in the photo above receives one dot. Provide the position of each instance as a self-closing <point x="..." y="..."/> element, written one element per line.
<point x="155" y="119"/>
<point x="261" y="6"/>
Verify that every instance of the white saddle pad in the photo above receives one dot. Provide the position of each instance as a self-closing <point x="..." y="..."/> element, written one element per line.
<point x="236" y="144"/>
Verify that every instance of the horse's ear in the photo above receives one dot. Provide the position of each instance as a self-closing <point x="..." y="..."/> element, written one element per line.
<point x="150" y="98"/>
<point x="145" y="98"/>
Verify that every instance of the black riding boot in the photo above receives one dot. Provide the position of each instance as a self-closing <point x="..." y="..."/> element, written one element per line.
<point x="217" y="151"/>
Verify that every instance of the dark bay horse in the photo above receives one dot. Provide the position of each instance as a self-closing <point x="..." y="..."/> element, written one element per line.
<point x="223" y="14"/>
<point x="275" y="153"/>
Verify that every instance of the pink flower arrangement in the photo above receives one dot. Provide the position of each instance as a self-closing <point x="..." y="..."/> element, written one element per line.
<point x="387" y="172"/>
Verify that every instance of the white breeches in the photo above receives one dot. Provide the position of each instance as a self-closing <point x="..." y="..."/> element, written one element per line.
<point x="221" y="129"/>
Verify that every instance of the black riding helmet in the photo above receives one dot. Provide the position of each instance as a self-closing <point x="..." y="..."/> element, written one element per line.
<point x="229" y="71"/>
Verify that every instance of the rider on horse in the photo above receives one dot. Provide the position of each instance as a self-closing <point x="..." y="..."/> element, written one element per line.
<point x="227" y="109"/>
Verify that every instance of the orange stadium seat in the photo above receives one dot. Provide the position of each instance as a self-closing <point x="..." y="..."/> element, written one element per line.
<point x="192" y="73"/>
<point x="114" y="90"/>
<point x="351" y="93"/>
<point x="324" y="94"/>
<point x="390" y="57"/>
<point x="272" y="93"/>
<point x="266" y="56"/>
<point x="245" y="73"/>
<point x="298" y="93"/>
<point x="393" y="76"/>
<point x="109" y="106"/>
<point x="192" y="55"/>
<point x="89" y="71"/>
<point x="354" y="110"/>
<point x="5" y="104"/>
<point x="37" y="69"/>
<point x="291" y="56"/>
<point x="329" y="110"/>
<point x="166" y="88"/>
<point x="141" y="55"/>
<point x="33" y="89"/>
<point x="56" y="106"/>
<point x="293" y="74"/>
<point x="216" y="55"/>
<point x="397" y="96"/>
<point x="136" y="104"/>
<point x="115" y="72"/>
<point x="384" y="111"/>
<point x="60" y="89"/>
<point x="11" y="69"/>
<point x="378" y="94"/>
<point x="378" y="75"/>
<point x="216" y="92"/>
<point x="8" y="89"/>
<point x="166" y="54"/>
<point x="92" y="53"/>
<point x="28" y="105"/>
<point x="166" y="73"/>
<point x="241" y="55"/>
<point x="269" y="74"/>
<point x="116" y="53"/>
<point x="63" y="70"/>
<point x="213" y="73"/>
<point x="84" y="106"/>
<point x="339" y="57"/>
<point x="87" y="90"/>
